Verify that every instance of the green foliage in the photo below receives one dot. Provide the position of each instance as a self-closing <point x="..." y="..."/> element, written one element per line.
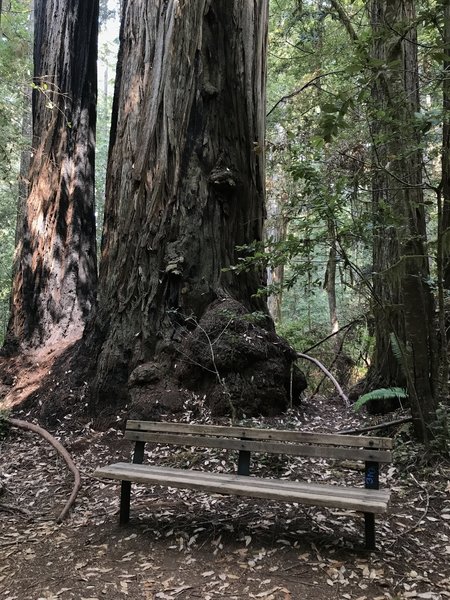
<point x="15" y="69"/>
<point x="399" y="351"/>
<point x="301" y="335"/>
<point x="380" y="394"/>
<point x="318" y="186"/>
<point x="108" y="48"/>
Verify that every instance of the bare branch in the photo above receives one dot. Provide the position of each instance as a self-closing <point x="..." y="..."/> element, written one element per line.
<point x="344" y="18"/>
<point x="340" y="330"/>
<point x="301" y="89"/>
<point x="328" y="374"/>
<point x="374" y="427"/>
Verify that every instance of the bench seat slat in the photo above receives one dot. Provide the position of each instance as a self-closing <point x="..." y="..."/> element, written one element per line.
<point x="262" y="434"/>
<point x="357" y="499"/>
<point x="293" y="449"/>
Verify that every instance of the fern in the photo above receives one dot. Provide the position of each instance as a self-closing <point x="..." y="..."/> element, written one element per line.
<point x="399" y="351"/>
<point x="381" y="394"/>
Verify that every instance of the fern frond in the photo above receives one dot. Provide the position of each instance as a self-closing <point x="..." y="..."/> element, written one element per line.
<point x="380" y="394"/>
<point x="399" y="351"/>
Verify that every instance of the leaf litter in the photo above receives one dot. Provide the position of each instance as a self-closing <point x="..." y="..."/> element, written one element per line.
<point x="181" y="544"/>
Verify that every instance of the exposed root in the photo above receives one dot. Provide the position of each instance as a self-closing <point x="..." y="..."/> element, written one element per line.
<point x="61" y="451"/>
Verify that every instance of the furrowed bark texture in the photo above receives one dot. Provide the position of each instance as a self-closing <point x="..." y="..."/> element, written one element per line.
<point x="55" y="274"/>
<point x="402" y="275"/>
<point x="386" y="370"/>
<point x="185" y="189"/>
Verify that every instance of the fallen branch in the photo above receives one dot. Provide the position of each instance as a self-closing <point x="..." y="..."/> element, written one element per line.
<point x="373" y="427"/>
<point x="61" y="451"/>
<point x="328" y="374"/>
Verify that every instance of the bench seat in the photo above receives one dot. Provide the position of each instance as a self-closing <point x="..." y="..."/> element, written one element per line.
<point x="351" y="498"/>
<point x="244" y="442"/>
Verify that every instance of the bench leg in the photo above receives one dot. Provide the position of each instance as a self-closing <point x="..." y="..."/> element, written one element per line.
<point x="125" y="495"/>
<point x="244" y="462"/>
<point x="369" y="524"/>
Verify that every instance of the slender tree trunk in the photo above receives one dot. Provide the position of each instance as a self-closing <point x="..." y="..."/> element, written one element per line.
<point x="185" y="190"/>
<point x="275" y="275"/>
<point x="401" y="267"/>
<point x="25" y="161"/>
<point x="25" y="155"/>
<point x="330" y="282"/>
<point x="275" y="231"/>
<point x="443" y="214"/>
<point x="446" y="149"/>
<point x="55" y="281"/>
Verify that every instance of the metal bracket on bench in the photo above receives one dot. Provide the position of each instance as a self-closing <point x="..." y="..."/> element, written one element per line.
<point x="125" y="491"/>
<point x="371" y="482"/>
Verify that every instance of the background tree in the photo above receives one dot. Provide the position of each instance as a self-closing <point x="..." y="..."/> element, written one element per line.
<point x="55" y="274"/>
<point x="401" y="265"/>
<point x="316" y="99"/>
<point x="445" y="182"/>
<point x="185" y="189"/>
<point x="15" y="67"/>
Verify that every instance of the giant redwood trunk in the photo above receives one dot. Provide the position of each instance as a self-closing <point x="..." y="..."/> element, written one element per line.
<point x="185" y="194"/>
<point x="401" y="279"/>
<point x="55" y="271"/>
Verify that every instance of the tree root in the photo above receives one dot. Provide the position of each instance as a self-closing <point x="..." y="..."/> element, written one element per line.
<point x="61" y="451"/>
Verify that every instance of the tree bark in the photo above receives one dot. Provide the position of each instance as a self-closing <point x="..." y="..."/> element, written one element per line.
<point x="386" y="370"/>
<point x="55" y="280"/>
<point x="401" y="266"/>
<point x="185" y="194"/>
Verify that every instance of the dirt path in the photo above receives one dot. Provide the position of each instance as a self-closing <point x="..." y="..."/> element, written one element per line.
<point x="185" y="545"/>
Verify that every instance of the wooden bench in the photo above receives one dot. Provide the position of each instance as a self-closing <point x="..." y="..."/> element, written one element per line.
<point x="372" y="451"/>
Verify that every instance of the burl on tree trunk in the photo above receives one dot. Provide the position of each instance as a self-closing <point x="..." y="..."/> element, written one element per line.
<point x="185" y="195"/>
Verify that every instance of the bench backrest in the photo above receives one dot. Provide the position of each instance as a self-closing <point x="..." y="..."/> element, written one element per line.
<point x="243" y="439"/>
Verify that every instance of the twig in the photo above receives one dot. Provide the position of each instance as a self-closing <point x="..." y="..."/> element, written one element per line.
<point x="221" y="380"/>
<point x="328" y="374"/>
<point x="344" y="19"/>
<point x="301" y="89"/>
<point x="61" y="451"/>
<point x="333" y="334"/>
<point x="373" y="427"/>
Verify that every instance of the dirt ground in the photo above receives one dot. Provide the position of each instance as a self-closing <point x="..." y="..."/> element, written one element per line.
<point x="185" y="545"/>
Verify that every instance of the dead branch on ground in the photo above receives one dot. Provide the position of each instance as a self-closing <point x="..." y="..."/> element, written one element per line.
<point x="328" y="374"/>
<point x="378" y="426"/>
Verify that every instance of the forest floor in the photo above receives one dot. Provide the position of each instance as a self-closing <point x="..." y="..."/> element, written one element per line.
<point x="186" y="545"/>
